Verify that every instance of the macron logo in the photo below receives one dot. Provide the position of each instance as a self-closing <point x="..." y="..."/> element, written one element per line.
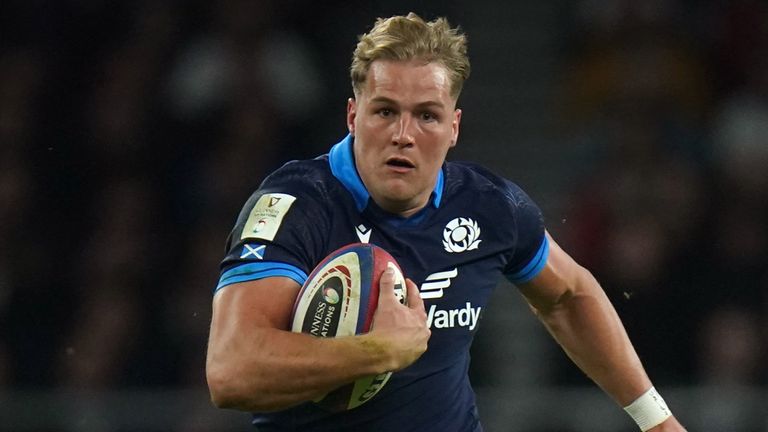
<point x="363" y="233"/>
<point x="433" y="286"/>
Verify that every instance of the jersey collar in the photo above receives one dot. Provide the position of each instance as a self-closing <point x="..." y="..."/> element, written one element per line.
<point x="342" y="162"/>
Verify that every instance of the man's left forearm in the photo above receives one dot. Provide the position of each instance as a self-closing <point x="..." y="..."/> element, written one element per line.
<point x="586" y="325"/>
<point x="576" y="311"/>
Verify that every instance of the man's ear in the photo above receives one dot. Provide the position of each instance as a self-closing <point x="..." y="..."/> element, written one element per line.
<point x="351" y="114"/>
<point x="455" y="126"/>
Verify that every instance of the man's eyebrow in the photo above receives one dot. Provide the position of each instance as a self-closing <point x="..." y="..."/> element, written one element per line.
<point x="384" y="100"/>
<point x="425" y="104"/>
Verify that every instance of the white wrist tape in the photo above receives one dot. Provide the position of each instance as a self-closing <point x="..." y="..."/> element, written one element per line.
<point x="648" y="410"/>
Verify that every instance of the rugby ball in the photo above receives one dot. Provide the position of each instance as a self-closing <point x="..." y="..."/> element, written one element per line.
<point x="339" y="299"/>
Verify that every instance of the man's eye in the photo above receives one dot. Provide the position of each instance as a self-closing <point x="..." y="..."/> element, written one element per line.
<point x="385" y="112"/>
<point x="428" y="116"/>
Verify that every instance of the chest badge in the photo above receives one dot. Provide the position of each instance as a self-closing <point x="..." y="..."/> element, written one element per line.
<point x="461" y="234"/>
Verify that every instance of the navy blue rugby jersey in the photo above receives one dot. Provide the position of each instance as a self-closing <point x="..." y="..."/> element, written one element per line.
<point x="477" y="227"/>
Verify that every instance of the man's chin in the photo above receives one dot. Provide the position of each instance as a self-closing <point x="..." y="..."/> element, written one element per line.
<point x="400" y="201"/>
<point x="399" y="191"/>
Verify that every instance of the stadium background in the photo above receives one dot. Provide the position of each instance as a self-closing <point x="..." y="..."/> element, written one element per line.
<point x="131" y="132"/>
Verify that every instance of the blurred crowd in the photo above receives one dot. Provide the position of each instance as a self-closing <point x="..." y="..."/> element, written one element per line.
<point x="132" y="132"/>
<point x="669" y="101"/>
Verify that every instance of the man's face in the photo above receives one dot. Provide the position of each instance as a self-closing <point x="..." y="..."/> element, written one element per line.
<point x="404" y="120"/>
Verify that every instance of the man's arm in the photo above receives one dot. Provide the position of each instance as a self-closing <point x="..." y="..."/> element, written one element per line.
<point x="576" y="311"/>
<point x="255" y="363"/>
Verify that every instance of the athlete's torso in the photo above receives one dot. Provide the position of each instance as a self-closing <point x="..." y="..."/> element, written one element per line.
<point x="476" y="227"/>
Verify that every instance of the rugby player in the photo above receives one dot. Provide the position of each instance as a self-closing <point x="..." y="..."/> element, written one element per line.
<point x="454" y="227"/>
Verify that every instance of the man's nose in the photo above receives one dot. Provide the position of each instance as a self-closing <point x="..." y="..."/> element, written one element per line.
<point x="404" y="135"/>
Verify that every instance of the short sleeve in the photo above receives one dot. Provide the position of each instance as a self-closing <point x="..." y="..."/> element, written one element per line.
<point x="531" y="248"/>
<point x="279" y="232"/>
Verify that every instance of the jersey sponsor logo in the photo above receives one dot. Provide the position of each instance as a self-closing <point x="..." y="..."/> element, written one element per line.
<point x="461" y="234"/>
<point x="267" y="216"/>
<point x="363" y="233"/>
<point x="433" y="286"/>
<point x="252" y="251"/>
<point x="467" y="316"/>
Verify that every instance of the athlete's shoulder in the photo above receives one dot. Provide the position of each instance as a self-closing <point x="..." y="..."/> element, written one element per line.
<point x="298" y="191"/>
<point x="519" y="223"/>
<point x="470" y="177"/>
<point x="309" y="175"/>
<point x="285" y="220"/>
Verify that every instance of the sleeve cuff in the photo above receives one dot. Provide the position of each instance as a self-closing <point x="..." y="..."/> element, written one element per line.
<point x="534" y="267"/>
<point x="260" y="270"/>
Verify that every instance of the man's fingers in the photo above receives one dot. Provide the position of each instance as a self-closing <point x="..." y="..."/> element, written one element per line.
<point x="387" y="290"/>
<point x="387" y="284"/>
<point x="414" y="298"/>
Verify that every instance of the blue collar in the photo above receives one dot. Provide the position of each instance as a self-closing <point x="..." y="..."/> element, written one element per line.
<point x="342" y="162"/>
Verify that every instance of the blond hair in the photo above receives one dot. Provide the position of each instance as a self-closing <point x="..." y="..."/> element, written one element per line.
<point x="409" y="37"/>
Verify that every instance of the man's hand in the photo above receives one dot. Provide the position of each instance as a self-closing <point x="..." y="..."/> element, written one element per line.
<point x="669" y="425"/>
<point x="398" y="329"/>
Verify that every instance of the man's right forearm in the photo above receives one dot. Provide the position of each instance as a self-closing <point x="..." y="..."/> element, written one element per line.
<point x="255" y="365"/>
<point x="275" y="369"/>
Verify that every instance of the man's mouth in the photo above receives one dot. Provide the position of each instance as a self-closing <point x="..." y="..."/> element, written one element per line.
<point x="398" y="162"/>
